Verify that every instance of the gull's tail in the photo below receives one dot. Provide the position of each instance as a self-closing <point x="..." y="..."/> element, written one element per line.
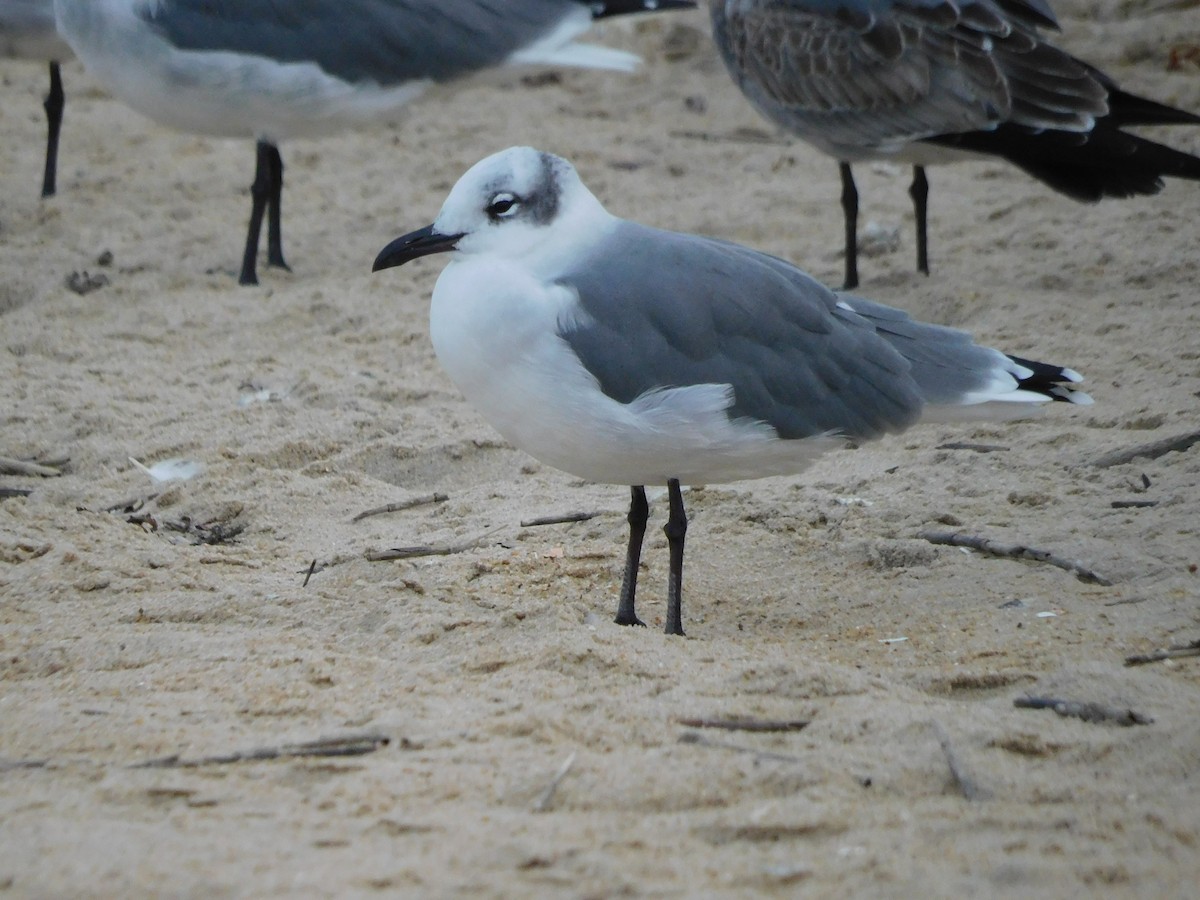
<point x="554" y="52"/>
<point x="959" y="379"/>
<point x="1091" y="165"/>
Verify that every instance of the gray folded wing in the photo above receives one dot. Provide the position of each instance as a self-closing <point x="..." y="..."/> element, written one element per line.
<point x="659" y="310"/>
<point x="385" y="42"/>
<point x="858" y="75"/>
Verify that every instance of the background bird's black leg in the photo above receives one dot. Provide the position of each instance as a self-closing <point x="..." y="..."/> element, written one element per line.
<point x="850" y="211"/>
<point x="639" y="512"/>
<point x="260" y="191"/>
<point x="274" y="211"/>
<point x="55" y="101"/>
<point x="919" y="191"/>
<point x="675" y="529"/>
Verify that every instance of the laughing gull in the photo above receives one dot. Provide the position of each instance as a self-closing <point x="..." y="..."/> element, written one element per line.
<point x="628" y="355"/>
<point x="272" y="71"/>
<point x="926" y="81"/>
<point x="27" y="32"/>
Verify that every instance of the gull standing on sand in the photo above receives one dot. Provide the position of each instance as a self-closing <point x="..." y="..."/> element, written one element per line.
<point x="629" y="355"/>
<point x="927" y="81"/>
<point x="27" y="32"/>
<point x="272" y="71"/>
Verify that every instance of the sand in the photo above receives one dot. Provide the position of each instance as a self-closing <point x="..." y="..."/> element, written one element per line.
<point x="519" y="743"/>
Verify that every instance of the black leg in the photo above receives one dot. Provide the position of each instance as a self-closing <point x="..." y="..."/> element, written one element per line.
<point x="850" y="211"/>
<point x="274" y="207"/>
<point x="260" y="191"/>
<point x="55" y="101"/>
<point x="919" y="191"/>
<point x="675" y="529"/>
<point x="639" y="512"/>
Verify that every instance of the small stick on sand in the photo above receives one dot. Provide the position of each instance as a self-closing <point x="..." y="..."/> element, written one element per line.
<point x="7" y="765"/>
<point x="309" y="574"/>
<point x="1013" y="551"/>
<point x="542" y="803"/>
<point x="692" y="737"/>
<point x="401" y="505"/>
<point x="1089" y="712"/>
<point x="1126" y="601"/>
<point x="132" y="505"/>
<point x="1175" y="651"/>
<point x="329" y="563"/>
<point x="978" y="448"/>
<point x="559" y="520"/>
<point x="1153" y="450"/>
<point x="970" y="789"/>
<point x="347" y="745"/>
<point x="740" y="724"/>
<point x="740" y="136"/>
<point x="9" y="466"/>
<point x="427" y="550"/>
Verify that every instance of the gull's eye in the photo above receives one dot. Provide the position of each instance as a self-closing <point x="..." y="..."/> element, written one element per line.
<point x="503" y="204"/>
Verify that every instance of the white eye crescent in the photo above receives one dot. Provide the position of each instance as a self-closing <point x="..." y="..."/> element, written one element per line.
<point x="502" y="205"/>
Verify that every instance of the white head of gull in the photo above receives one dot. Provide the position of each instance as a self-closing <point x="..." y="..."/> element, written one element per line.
<point x="631" y="355"/>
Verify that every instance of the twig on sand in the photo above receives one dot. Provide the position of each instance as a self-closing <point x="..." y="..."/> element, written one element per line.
<point x="978" y="448"/>
<point x="542" y="803"/>
<point x="1152" y="450"/>
<point x="9" y="466"/>
<point x="1090" y="712"/>
<point x="970" y="789"/>
<point x="744" y="724"/>
<point x="399" y="505"/>
<point x="430" y="550"/>
<point x="1175" y="651"/>
<point x="1126" y="601"/>
<point x="346" y="745"/>
<point x="1013" y="551"/>
<point x="559" y="519"/>
<point x="6" y="492"/>
<point x="317" y="566"/>
<point x="693" y="737"/>
<point x="127" y="507"/>
<point x="737" y="136"/>
<point x="7" y="765"/>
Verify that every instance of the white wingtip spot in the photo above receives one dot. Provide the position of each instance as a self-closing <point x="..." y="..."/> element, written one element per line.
<point x="1079" y="398"/>
<point x="1021" y="372"/>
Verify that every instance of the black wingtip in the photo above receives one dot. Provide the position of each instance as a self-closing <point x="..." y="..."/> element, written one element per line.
<point x="1086" y="166"/>
<point x="1056" y="382"/>
<point x="1130" y="109"/>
